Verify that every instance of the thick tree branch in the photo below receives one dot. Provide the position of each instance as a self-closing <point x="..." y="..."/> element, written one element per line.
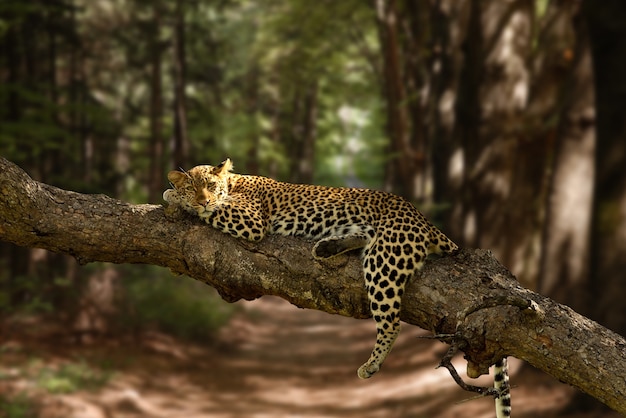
<point x="551" y="337"/>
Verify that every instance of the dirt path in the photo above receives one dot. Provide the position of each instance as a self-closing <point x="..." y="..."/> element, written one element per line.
<point x="274" y="360"/>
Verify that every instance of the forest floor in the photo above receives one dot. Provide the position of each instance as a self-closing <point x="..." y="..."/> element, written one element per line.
<point x="271" y="360"/>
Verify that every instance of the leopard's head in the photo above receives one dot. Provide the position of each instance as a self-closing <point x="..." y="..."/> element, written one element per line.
<point x="203" y="187"/>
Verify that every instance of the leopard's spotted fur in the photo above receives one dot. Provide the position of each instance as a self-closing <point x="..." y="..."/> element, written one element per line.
<point x="394" y="235"/>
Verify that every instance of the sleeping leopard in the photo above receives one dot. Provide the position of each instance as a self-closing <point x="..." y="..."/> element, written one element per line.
<point x="392" y="234"/>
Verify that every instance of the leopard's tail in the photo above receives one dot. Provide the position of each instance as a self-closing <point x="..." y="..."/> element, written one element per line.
<point x="501" y="383"/>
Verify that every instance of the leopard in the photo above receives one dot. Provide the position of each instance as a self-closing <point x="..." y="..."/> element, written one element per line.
<point x="393" y="237"/>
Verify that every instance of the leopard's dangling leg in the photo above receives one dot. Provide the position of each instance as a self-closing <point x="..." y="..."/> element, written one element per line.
<point x="387" y="330"/>
<point x="385" y="286"/>
<point x="387" y="268"/>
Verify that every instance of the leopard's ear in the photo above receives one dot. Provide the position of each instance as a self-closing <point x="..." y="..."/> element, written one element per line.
<point x="224" y="167"/>
<point x="177" y="178"/>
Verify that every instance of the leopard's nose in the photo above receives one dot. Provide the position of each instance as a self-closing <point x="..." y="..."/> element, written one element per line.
<point x="203" y="202"/>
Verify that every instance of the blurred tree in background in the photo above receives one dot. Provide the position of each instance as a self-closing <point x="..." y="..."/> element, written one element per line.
<point x="483" y="112"/>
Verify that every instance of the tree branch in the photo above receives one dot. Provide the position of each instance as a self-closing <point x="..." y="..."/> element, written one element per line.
<point x="550" y="336"/>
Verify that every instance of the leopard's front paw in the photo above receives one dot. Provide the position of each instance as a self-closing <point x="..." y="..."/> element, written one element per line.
<point x="173" y="211"/>
<point x="170" y="196"/>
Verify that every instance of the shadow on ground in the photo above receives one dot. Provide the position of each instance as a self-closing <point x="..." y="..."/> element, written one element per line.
<point x="271" y="360"/>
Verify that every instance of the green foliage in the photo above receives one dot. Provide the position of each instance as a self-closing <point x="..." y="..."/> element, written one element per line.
<point x="178" y="306"/>
<point x="71" y="377"/>
<point x="29" y="294"/>
<point x="351" y="146"/>
<point x="247" y="64"/>
<point x="17" y="406"/>
<point x="76" y="94"/>
<point x="151" y="297"/>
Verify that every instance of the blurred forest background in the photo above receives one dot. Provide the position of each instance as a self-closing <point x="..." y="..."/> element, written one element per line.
<point x="502" y="120"/>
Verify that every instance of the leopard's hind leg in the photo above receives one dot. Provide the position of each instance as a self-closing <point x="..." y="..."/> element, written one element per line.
<point x="387" y="269"/>
<point x="336" y="245"/>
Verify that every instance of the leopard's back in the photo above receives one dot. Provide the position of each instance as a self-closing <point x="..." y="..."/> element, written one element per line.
<point x="317" y="212"/>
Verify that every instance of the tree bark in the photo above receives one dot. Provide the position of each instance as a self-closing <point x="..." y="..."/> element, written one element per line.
<point x="551" y="337"/>
<point x="502" y="164"/>
<point x="399" y="177"/>
<point x="608" y="47"/>
<point x="303" y="133"/>
<point x="155" y="180"/>
<point x="566" y="242"/>
<point x="181" y="140"/>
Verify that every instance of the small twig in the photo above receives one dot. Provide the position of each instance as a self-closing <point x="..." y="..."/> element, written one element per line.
<point x="446" y="362"/>
<point x="446" y="338"/>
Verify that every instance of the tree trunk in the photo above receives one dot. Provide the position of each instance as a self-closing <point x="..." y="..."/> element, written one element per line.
<point x="181" y="141"/>
<point x="303" y="132"/>
<point x="253" y="109"/>
<point x="309" y="134"/>
<point x="502" y="318"/>
<point x="418" y="76"/>
<point x="605" y="288"/>
<point x="399" y="173"/>
<point x="566" y="241"/>
<point x="501" y="157"/>
<point x="465" y="133"/>
<point x="449" y="25"/>
<point x="608" y="258"/>
<point x="156" y="173"/>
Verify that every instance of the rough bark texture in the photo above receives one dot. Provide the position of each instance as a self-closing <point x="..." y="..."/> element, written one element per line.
<point x="552" y="337"/>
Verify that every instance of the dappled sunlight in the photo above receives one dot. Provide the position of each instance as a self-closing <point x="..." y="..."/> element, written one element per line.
<point x="501" y="121"/>
<point x="271" y="360"/>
